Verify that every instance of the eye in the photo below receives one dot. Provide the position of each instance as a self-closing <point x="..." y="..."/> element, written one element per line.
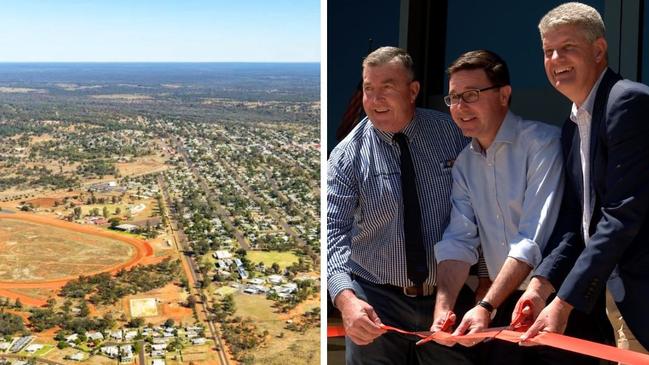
<point x="548" y="52"/>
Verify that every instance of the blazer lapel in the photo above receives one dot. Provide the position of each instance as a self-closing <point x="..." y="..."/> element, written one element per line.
<point x="598" y="127"/>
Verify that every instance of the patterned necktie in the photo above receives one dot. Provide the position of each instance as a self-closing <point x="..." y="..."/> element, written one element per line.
<point x="415" y="252"/>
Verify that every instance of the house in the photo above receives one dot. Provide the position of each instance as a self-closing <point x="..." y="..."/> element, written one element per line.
<point x="222" y="254"/>
<point x="95" y="336"/>
<point x="130" y="335"/>
<point x="4" y="346"/>
<point x="158" y="353"/>
<point x="158" y="346"/>
<point x="20" y="343"/>
<point x="126" y="227"/>
<point x="33" y="348"/>
<point x="256" y="281"/>
<point x="198" y="341"/>
<point x="127" y="353"/>
<point x="79" y="356"/>
<point x="250" y="290"/>
<point x="158" y="362"/>
<point x="117" y="335"/>
<point x="72" y="338"/>
<point x="275" y="279"/>
<point x="110" y="351"/>
<point x="243" y="273"/>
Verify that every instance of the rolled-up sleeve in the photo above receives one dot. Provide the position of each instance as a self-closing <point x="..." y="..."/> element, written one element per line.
<point x="541" y="203"/>
<point x="460" y="240"/>
<point x="342" y="200"/>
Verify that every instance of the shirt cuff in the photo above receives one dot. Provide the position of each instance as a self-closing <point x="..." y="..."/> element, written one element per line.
<point x="338" y="283"/>
<point x="451" y="250"/>
<point x="525" y="250"/>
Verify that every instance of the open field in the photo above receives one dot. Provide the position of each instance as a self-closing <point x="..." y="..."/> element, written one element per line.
<point x="167" y="306"/>
<point x="41" y="253"/>
<point x="301" y="346"/>
<point x="33" y="252"/>
<point x="283" y="259"/>
<point x="145" y="307"/>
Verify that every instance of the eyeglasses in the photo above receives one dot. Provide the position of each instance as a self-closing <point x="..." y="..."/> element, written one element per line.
<point x="469" y="96"/>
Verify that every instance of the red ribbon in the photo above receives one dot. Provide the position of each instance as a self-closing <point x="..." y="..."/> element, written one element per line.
<point x="556" y="340"/>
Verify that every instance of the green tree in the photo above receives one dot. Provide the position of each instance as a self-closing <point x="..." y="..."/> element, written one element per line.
<point x="83" y="309"/>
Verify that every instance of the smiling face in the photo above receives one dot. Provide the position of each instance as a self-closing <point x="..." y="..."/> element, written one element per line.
<point x="481" y="119"/>
<point x="389" y="96"/>
<point x="572" y="63"/>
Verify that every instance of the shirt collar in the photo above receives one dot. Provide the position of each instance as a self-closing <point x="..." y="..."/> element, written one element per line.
<point x="588" y="104"/>
<point x="410" y="130"/>
<point x="506" y="133"/>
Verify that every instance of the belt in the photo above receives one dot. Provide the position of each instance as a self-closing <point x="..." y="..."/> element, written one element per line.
<point x="415" y="291"/>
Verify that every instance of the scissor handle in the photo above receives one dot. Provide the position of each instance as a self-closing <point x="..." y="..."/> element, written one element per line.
<point x="517" y="323"/>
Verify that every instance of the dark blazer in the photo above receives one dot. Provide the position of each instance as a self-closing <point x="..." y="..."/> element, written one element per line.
<point x="619" y="228"/>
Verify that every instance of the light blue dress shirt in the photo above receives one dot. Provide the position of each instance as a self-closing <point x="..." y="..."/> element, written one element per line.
<point x="507" y="198"/>
<point x="364" y="206"/>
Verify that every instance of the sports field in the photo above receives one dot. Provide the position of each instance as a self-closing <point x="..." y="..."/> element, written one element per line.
<point x="40" y="252"/>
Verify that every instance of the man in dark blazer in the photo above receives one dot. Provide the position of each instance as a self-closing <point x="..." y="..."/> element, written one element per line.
<point x="601" y="241"/>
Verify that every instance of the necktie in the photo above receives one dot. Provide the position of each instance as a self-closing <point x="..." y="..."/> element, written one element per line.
<point x="415" y="252"/>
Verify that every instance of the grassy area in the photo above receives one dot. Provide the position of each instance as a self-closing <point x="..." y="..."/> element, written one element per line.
<point x="225" y="290"/>
<point x="283" y="259"/>
<point x="303" y="347"/>
<point x="39" y="353"/>
<point x="85" y="209"/>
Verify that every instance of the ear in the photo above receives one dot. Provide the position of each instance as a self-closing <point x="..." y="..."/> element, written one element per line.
<point x="505" y="93"/>
<point x="414" y="90"/>
<point x="601" y="47"/>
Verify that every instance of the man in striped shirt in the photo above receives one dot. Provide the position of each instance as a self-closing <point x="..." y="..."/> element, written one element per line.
<point x="367" y="267"/>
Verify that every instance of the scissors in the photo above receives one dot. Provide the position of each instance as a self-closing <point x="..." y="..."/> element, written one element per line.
<point x="517" y="323"/>
<point x="446" y="326"/>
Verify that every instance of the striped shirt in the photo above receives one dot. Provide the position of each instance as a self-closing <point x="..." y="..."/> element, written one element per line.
<point x="365" y="233"/>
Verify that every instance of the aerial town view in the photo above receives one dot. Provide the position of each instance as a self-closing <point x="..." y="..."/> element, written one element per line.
<point x="159" y="213"/>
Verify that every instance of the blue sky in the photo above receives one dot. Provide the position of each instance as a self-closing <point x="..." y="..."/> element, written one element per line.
<point x="160" y="30"/>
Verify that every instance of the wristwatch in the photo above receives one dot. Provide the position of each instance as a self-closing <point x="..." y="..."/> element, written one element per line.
<point x="486" y="305"/>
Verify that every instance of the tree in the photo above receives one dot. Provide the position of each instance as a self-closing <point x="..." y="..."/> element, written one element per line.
<point x="114" y="222"/>
<point x="77" y="212"/>
<point x="169" y="322"/>
<point x="105" y="212"/>
<point x="191" y="301"/>
<point x="83" y="309"/>
<point x="18" y="304"/>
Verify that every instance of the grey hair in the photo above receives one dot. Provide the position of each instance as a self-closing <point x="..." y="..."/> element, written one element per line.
<point x="384" y="55"/>
<point x="581" y="15"/>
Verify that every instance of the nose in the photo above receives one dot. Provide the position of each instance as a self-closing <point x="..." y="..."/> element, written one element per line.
<point x="555" y="54"/>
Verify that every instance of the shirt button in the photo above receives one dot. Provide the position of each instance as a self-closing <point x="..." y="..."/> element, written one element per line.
<point x="503" y="243"/>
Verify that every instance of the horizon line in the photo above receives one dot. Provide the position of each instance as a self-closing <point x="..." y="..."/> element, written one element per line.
<point x="257" y="62"/>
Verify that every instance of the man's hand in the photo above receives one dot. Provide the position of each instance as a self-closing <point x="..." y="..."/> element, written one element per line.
<point x="552" y="318"/>
<point x="361" y="323"/>
<point x="439" y="319"/>
<point x="532" y="299"/>
<point x="475" y="320"/>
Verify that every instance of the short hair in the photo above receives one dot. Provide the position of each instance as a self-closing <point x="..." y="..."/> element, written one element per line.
<point x="581" y="15"/>
<point x="494" y="67"/>
<point x="384" y="55"/>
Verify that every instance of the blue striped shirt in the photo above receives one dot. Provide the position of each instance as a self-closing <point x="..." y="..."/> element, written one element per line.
<point x="505" y="199"/>
<point x="364" y="204"/>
